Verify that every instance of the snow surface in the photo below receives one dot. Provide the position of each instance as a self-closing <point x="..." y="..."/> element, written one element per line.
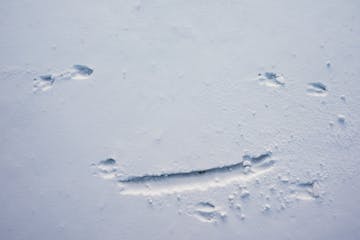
<point x="234" y="119"/>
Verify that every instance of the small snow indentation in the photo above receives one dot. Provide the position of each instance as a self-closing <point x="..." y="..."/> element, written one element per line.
<point x="341" y="119"/>
<point x="317" y="89"/>
<point x="271" y="79"/>
<point x="207" y="212"/>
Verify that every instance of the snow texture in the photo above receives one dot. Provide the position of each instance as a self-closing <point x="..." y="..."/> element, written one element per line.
<point x="235" y="119"/>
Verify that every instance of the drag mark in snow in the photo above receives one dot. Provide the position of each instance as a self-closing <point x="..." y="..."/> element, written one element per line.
<point x="194" y="180"/>
<point x="190" y="174"/>
<point x="46" y="82"/>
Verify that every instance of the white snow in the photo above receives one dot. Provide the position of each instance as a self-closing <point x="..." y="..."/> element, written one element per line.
<point x="235" y="119"/>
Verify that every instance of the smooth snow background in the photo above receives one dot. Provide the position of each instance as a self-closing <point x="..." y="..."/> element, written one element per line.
<point x="174" y="87"/>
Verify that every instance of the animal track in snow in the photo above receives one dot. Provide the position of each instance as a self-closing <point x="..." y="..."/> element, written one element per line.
<point x="271" y="79"/>
<point x="305" y="190"/>
<point x="341" y="119"/>
<point x="194" y="180"/>
<point x="207" y="212"/>
<point x="46" y="82"/>
<point x="247" y="184"/>
<point x="317" y="89"/>
<point x="107" y="168"/>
